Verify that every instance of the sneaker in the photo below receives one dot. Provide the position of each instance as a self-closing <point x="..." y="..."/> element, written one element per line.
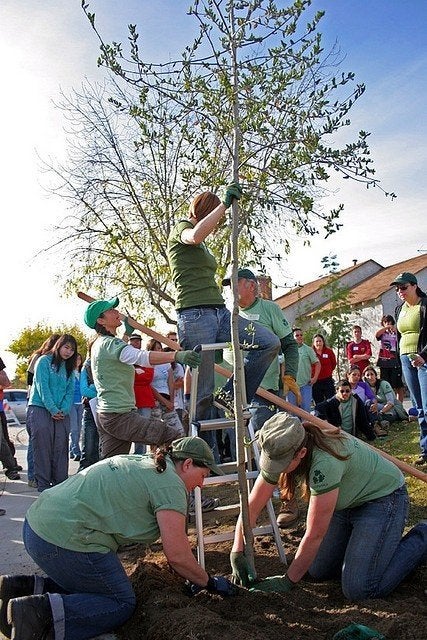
<point x="17" y="466"/>
<point x="379" y="431"/>
<point x="12" y="587"/>
<point x="12" y="474"/>
<point x="288" y="514"/>
<point x="31" y="618"/>
<point x="420" y="461"/>
<point x="2" y="512"/>
<point x="208" y="504"/>
<point x="32" y="483"/>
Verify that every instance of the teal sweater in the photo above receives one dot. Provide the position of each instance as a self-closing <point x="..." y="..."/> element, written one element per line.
<point x="51" y="389"/>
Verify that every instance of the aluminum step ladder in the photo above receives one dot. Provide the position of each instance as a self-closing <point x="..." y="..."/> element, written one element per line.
<point x="230" y="472"/>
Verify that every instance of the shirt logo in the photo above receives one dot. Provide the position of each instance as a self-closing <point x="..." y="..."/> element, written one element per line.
<point x="318" y="477"/>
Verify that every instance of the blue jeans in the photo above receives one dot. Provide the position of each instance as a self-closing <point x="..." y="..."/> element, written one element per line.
<point x="207" y="326"/>
<point x="30" y="455"/>
<point x="365" y="546"/>
<point x="75" y="428"/>
<point x="306" y="397"/>
<point x="90" y="440"/>
<point x="139" y="447"/>
<point x="94" y="594"/>
<point x="416" y="379"/>
<point x="261" y="410"/>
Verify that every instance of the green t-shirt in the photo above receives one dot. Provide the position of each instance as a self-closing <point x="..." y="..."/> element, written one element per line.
<point x="109" y="504"/>
<point x="268" y="314"/>
<point x="113" y="379"/>
<point x="193" y="271"/>
<point x="364" y="476"/>
<point x="306" y="358"/>
<point x="346" y="411"/>
<point x="408" y="325"/>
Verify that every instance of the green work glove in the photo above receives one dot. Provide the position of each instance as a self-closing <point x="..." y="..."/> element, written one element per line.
<point x="128" y="329"/>
<point x="233" y="191"/>
<point x="242" y="572"/>
<point x="190" y="358"/>
<point x="278" y="584"/>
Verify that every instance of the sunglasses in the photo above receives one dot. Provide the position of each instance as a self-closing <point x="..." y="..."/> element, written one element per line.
<point x="342" y="391"/>
<point x="401" y="287"/>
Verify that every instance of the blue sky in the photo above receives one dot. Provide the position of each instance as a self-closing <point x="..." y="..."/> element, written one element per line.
<point x="46" y="45"/>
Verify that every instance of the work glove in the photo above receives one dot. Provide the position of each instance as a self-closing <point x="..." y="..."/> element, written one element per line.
<point x="128" y="329"/>
<point x="233" y="191"/>
<point x="242" y="572"/>
<point x="289" y="384"/>
<point x="216" y="584"/>
<point x="278" y="584"/>
<point x="190" y="358"/>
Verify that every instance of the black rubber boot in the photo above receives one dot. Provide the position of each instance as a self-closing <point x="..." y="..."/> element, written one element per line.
<point x="31" y="618"/>
<point x="12" y="587"/>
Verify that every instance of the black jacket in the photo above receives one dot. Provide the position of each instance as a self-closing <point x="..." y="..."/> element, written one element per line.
<point x="329" y="410"/>
<point x="422" y="338"/>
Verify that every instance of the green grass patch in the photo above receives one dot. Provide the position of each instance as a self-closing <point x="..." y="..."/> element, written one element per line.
<point x="403" y="442"/>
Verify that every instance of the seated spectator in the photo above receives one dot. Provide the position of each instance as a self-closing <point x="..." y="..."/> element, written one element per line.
<point x="368" y="397"/>
<point x="390" y="408"/>
<point x="347" y="411"/>
<point x="359" y="350"/>
<point x="388" y="359"/>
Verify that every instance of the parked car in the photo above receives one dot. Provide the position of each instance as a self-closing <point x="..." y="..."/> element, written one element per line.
<point x="17" y="400"/>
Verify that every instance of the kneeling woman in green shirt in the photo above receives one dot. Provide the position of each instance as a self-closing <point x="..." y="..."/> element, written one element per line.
<point x="74" y="530"/>
<point x="357" y="510"/>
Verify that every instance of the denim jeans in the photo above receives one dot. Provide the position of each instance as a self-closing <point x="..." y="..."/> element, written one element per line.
<point x="261" y="410"/>
<point x="207" y="326"/>
<point x="90" y="440"/>
<point x="416" y="379"/>
<point x="306" y="391"/>
<point x="323" y="390"/>
<point x="94" y="594"/>
<point x="139" y="447"/>
<point x="75" y="428"/>
<point x="30" y="455"/>
<point x="365" y="546"/>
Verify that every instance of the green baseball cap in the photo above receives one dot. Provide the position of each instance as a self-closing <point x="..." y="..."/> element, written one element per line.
<point x="279" y="439"/>
<point x="97" y="307"/>
<point x="198" y="450"/>
<point x="247" y="274"/>
<point x="405" y="278"/>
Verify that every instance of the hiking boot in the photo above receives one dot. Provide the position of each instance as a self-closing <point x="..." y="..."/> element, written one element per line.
<point x="18" y="467"/>
<point x="12" y="587"/>
<point x="32" y="483"/>
<point x="31" y="618"/>
<point x="379" y="431"/>
<point x="288" y="514"/>
<point x="2" y="512"/>
<point x="420" y="461"/>
<point x="12" y="474"/>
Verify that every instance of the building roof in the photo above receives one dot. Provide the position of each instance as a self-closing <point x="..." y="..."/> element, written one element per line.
<point x="301" y="292"/>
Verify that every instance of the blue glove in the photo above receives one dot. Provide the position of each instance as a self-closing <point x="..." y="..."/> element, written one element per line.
<point x="128" y="329"/>
<point x="242" y="572"/>
<point x="233" y="191"/>
<point x="191" y="358"/>
<point x="216" y="584"/>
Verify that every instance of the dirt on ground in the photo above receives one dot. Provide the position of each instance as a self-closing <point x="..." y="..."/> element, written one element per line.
<point x="311" y="610"/>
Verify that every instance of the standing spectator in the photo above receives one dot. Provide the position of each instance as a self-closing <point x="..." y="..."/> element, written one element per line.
<point x="144" y="395"/>
<point x="202" y="315"/>
<point x="76" y="414"/>
<point x="308" y="371"/>
<point x="90" y="437"/>
<point x="48" y="413"/>
<point x="324" y="386"/>
<point x="346" y="410"/>
<point x="4" y="384"/>
<point x="359" y="350"/>
<point x="178" y="376"/>
<point x="46" y="347"/>
<point x="388" y="359"/>
<point x="113" y="361"/>
<point x="6" y="457"/>
<point x="411" y="317"/>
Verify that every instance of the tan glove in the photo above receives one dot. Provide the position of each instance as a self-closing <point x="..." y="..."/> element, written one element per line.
<point x="289" y="384"/>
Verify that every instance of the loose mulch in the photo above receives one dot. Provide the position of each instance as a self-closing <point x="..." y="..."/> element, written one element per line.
<point x="311" y="610"/>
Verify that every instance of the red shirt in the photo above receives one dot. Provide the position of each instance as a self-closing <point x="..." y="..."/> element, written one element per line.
<point x="144" y="396"/>
<point x="359" y="349"/>
<point x="328" y="362"/>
